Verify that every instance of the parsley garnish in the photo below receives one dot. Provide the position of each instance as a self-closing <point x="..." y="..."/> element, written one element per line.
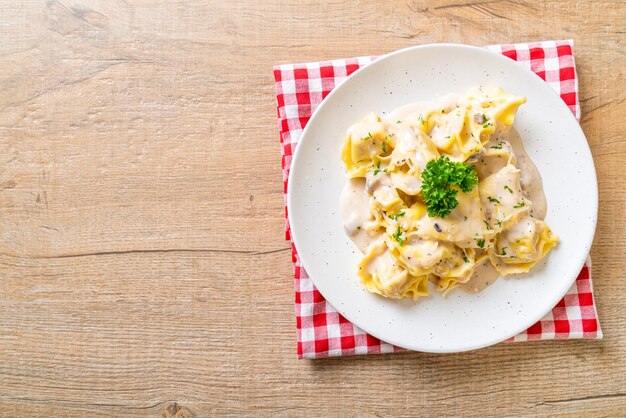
<point x="384" y="147"/>
<point x="377" y="168"/>
<point x="443" y="110"/>
<point x="437" y="178"/>
<point x="398" y="236"/>
<point x="485" y="126"/>
<point x="485" y="119"/>
<point x="499" y="146"/>
<point x="487" y="224"/>
<point x="369" y="135"/>
<point x="399" y="214"/>
<point x="465" y="259"/>
<point x="493" y="199"/>
<point x="519" y="205"/>
<point x="480" y="243"/>
<point x="504" y="250"/>
<point x="421" y="120"/>
<point x="398" y="121"/>
<point x="508" y="188"/>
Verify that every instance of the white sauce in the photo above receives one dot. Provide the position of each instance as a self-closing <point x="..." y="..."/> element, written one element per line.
<point x="355" y="212"/>
<point x="355" y="198"/>
<point x="484" y="275"/>
<point x="530" y="179"/>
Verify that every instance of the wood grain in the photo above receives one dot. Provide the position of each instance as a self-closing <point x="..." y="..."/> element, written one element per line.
<point x="143" y="270"/>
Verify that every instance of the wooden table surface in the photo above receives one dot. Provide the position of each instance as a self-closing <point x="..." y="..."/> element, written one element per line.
<point x="143" y="267"/>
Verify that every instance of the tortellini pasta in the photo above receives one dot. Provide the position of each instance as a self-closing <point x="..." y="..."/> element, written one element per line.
<point x="405" y="248"/>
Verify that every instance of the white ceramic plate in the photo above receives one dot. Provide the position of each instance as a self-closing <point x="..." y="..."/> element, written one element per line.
<point x="459" y="321"/>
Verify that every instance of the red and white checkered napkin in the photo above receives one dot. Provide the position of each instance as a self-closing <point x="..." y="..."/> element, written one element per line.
<point x="321" y="330"/>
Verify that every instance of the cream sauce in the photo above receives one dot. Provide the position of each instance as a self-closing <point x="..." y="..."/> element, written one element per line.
<point x="530" y="179"/>
<point x="409" y="184"/>
<point x="382" y="189"/>
<point x="422" y="254"/>
<point x="355" y="198"/>
<point x="355" y="212"/>
<point x="502" y="198"/>
<point x="463" y="224"/>
<point x="410" y="148"/>
<point x="381" y="261"/>
<point x="483" y="276"/>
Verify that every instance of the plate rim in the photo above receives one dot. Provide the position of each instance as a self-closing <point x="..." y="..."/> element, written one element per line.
<point x="567" y="284"/>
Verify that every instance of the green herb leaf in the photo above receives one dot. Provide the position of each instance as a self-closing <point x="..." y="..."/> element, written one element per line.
<point x="487" y="224"/>
<point x="465" y="259"/>
<point x="384" y="147"/>
<point x="480" y="243"/>
<point x="504" y="250"/>
<point x="398" y="236"/>
<point x="437" y="179"/>
<point x="399" y="214"/>
<point x="493" y="199"/>
<point x="499" y="146"/>
<point x="520" y="205"/>
<point x="508" y="188"/>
